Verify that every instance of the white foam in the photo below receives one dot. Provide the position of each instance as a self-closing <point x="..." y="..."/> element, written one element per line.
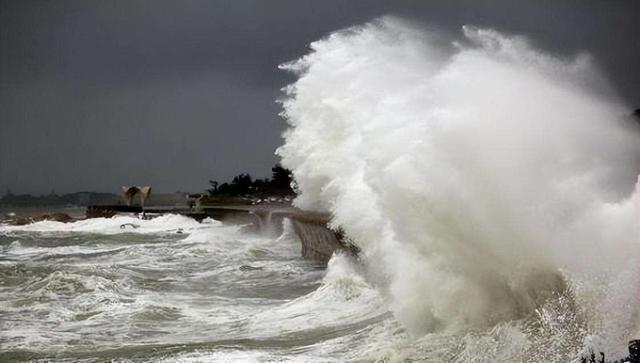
<point x="118" y="224"/>
<point x="344" y="297"/>
<point x="475" y="177"/>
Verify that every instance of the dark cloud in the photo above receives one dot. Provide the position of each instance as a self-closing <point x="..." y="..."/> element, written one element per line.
<point x="173" y="93"/>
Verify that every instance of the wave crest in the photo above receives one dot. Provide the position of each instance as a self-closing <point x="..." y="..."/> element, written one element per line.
<point x="476" y="178"/>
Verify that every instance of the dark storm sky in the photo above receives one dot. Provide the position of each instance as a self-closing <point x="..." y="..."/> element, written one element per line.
<point x="97" y="94"/>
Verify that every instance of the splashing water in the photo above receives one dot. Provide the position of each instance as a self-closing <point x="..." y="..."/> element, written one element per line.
<point x="492" y="188"/>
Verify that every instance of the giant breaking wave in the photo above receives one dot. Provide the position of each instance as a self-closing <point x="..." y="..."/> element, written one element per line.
<point x="483" y="180"/>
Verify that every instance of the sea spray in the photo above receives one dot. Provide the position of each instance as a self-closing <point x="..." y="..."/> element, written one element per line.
<point x="484" y="181"/>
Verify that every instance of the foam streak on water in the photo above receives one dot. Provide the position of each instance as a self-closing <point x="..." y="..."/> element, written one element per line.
<point x="491" y="187"/>
<point x="172" y="289"/>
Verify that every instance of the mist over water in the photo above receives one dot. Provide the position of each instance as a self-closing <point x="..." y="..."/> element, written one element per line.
<point x="492" y="188"/>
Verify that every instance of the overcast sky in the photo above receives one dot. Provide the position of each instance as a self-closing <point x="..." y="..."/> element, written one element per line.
<point x="98" y="94"/>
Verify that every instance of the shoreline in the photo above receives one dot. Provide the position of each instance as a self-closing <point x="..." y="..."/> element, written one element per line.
<point x="318" y="241"/>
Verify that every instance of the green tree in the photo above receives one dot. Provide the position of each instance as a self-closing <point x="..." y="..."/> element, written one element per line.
<point x="281" y="177"/>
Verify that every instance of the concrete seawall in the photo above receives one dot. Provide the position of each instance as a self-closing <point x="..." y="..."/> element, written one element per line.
<point x="318" y="242"/>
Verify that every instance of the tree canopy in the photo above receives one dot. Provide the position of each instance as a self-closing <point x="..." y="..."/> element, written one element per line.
<point x="244" y="185"/>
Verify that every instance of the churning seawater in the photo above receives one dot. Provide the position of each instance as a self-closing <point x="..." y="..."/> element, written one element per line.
<point x="174" y="289"/>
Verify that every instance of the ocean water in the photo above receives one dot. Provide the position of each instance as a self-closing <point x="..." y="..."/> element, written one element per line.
<point x="174" y="289"/>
